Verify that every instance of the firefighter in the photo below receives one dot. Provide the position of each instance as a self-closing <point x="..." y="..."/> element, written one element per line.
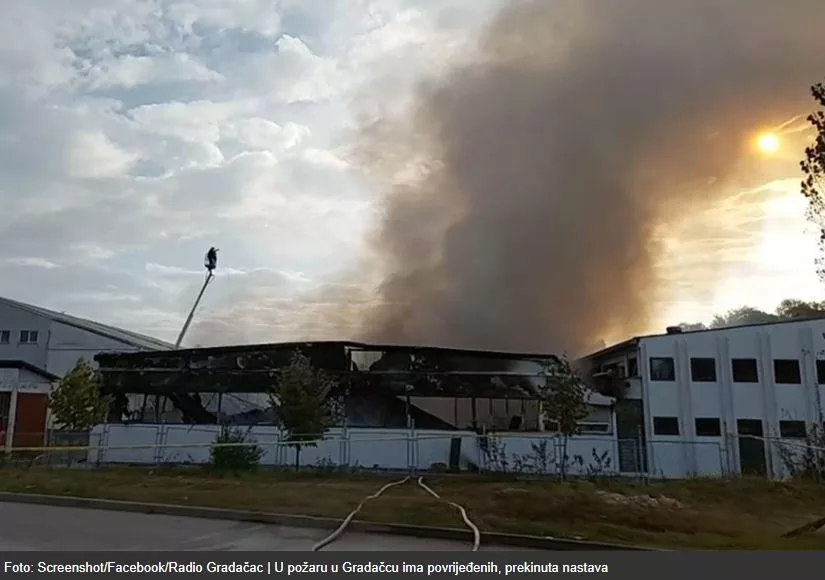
<point x="211" y="261"/>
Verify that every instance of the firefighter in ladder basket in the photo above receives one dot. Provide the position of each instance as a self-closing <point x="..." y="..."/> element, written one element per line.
<point x="211" y="261"/>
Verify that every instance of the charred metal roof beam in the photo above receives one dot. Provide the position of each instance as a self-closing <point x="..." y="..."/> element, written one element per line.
<point x="274" y="372"/>
<point x="346" y="345"/>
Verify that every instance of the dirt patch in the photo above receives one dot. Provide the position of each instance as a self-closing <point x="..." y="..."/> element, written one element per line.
<point x="642" y="501"/>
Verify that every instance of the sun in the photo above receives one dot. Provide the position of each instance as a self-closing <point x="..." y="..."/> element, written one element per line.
<point x="767" y="143"/>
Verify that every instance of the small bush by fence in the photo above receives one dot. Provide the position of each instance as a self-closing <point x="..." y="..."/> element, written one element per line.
<point x="234" y="452"/>
<point x="803" y="458"/>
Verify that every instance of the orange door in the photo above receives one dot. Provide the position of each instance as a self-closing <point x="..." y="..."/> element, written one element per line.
<point x="30" y="420"/>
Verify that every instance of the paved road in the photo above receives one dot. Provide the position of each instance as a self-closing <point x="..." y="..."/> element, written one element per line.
<point x="37" y="527"/>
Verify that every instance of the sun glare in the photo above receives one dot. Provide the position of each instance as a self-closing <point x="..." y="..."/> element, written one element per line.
<point x="768" y="143"/>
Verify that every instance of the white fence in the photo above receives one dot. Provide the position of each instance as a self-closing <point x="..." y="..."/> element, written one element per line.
<point x="374" y="449"/>
<point x="419" y="450"/>
<point x="422" y="450"/>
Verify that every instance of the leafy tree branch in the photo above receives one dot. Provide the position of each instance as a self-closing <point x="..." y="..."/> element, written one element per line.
<point x="76" y="403"/>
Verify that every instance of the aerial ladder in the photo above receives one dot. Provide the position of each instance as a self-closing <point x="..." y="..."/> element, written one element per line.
<point x="210" y="262"/>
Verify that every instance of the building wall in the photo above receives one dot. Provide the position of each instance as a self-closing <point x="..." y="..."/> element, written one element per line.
<point x="8" y="380"/>
<point x="67" y="343"/>
<point x="24" y="381"/>
<point x="58" y="345"/>
<point x="766" y="374"/>
<point x="14" y="320"/>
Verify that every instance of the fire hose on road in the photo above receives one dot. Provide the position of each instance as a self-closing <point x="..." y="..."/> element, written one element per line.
<point x="340" y="530"/>
<point x="461" y="510"/>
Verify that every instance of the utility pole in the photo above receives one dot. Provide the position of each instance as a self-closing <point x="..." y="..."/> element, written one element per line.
<point x="210" y="263"/>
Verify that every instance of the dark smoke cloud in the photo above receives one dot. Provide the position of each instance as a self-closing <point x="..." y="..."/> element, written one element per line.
<point x="556" y="156"/>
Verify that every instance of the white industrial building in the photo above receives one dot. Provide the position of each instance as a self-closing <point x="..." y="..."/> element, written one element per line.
<point x="716" y="402"/>
<point x="37" y="347"/>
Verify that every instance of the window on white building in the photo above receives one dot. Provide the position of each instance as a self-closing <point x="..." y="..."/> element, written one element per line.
<point x="28" y="336"/>
<point x="752" y="427"/>
<point x="665" y="426"/>
<point x="744" y="370"/>
<point x="820" y="372"/>
<point x="703" y="370"/>
<point x="708" y="427"/>
<point x="5" y="336"/>
<point x="792" y="430"/>
<point x="786" y="371"/>
<point x="591" y="427"/>
<point x="662" y="369"/>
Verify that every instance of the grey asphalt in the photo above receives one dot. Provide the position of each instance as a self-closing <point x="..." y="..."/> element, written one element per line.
<point x="39" y="527"/>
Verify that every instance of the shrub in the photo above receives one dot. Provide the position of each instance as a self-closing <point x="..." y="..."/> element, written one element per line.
<point x="234" y="452"/>
<point x="807" y="459"/>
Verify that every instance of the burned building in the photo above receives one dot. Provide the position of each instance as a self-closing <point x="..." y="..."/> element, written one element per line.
<point x="376" y="385"/>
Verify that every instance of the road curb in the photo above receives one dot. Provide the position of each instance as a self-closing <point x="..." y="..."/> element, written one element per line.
<point x="453" y="534"/>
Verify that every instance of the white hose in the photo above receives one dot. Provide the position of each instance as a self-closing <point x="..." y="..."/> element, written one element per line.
<point x="470" y="524"/>
<point x="340" y="530"/>
<point x="334" y="535"/>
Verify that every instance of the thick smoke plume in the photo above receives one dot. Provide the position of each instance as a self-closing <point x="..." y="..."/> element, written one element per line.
<point x="552" y="162"/>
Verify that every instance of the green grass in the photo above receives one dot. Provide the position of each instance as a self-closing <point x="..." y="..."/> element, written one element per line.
<point x="727" y="514"/>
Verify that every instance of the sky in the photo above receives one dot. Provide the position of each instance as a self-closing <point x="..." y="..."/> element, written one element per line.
<point x="136" y="134"/>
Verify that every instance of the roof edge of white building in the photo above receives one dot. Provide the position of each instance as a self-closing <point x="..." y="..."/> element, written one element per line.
<point x="112" y="332"/>
<point x="634" y="341"/>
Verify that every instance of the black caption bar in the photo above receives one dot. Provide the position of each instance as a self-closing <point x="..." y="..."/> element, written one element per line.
<point x="355" y="565"/>
<point x="281" y="568"/>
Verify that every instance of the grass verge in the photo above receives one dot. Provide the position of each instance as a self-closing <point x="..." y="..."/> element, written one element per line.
<point x="705" y="514"/>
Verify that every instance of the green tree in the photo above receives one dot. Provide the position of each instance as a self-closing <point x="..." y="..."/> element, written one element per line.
<point x="564" y="401"/>
<point x="742" y="315"/>
<point x="788" y="309"/>
<point x="301" y="403"/>
<point x="76" y="403"/>
<point x="813" y="171"/>
<point x="792" y="308"/>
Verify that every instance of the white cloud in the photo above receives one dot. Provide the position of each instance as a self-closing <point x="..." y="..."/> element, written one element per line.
<point x="32" y="263"/>
<point x="93" y="155"/>
<point x="135" y="134"/>
<point x="196" y="121"/>
<point x="290" y="73"/>
<point x="256" y="133"/>
<point x="133" y="71"/>
<point x="258" y="15"/>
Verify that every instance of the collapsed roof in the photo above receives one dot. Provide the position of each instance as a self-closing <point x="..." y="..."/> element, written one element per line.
<point x="378" y="373"/>
<point x="392" y="369"/>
